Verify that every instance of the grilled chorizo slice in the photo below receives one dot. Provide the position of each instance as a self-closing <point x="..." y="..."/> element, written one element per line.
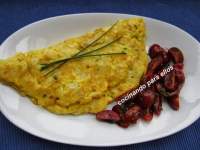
<point x="108" y="116"/>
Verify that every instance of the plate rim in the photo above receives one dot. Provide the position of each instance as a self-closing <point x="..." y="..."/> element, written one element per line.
<point x="18" y="123"/>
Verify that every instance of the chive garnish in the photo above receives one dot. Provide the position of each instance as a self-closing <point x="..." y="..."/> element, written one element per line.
<point x="59" y="63"/>
<point x="45" y="66"/>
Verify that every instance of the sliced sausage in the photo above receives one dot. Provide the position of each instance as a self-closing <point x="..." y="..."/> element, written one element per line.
<point x="133" y="114"/>
<point x="176" y="55"/>
<point x="108" y="115"/>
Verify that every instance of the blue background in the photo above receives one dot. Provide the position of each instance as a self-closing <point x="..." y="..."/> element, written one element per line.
<point x="16" y="14"/>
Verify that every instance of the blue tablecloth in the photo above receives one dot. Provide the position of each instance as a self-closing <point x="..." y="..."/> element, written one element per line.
<point x="16" y="14"/>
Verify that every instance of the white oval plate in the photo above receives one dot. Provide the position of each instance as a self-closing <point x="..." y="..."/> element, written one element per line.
<point x="85" y="130"/>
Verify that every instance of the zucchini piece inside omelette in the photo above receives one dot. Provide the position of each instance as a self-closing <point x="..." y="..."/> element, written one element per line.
<point x="85" y="85"/>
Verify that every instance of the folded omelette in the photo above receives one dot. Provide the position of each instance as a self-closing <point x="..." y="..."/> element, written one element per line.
<point x="85" y="85"/>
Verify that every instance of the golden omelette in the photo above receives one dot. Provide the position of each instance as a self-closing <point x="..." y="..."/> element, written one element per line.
<point x="84" y="85"/>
